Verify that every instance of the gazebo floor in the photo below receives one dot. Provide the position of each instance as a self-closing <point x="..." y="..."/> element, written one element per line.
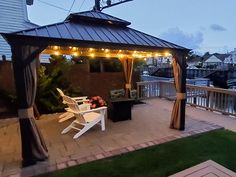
<point x="149" y="126"/>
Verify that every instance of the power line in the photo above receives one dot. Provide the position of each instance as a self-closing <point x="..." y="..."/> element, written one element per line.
<point x="81" y="5"/>
<point x="71" y="6"/>
<point x="52" y="5"/>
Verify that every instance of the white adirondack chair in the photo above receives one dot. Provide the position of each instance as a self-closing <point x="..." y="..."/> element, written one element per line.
<point x="80" y="99"/>
<point x="66" y="99"/>
<point x="85" y="118"/>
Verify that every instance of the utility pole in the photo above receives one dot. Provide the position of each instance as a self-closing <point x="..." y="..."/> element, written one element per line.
<point x="109" y="3"/>
<point x="97" y="6"/>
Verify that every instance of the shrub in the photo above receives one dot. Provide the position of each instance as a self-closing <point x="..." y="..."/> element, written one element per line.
<point x="47" y="98"/>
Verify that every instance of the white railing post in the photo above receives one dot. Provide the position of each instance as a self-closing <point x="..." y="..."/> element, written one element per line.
<point x="214" y="99"/>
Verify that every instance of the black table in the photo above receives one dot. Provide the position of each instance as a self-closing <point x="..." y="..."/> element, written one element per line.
<point x="121" y="109"/>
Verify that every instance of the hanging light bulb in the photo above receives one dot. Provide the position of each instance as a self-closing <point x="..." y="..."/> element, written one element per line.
<point x="55" y="47"/>
<point x="149" y="55"/>
<point x="120" y="55"/>
<point x="167" y="54"/>
<point x="92" y="55"/>
<point x="75" y="54"/>
<point x="56" y="53"/>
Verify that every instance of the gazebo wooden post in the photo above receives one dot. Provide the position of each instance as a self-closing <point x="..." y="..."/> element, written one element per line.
<point x="179" y="70"/>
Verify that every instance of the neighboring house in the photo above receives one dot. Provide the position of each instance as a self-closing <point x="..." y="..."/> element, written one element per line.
<point x="13" y="17"/>
<point x="231" y="59"/>
<point x="215" y="60"/>
<point x="160" y="62"/>
<point x="194" y="61"/>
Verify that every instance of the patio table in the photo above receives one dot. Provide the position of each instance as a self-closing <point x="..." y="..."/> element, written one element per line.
<point x="121" y="109"/>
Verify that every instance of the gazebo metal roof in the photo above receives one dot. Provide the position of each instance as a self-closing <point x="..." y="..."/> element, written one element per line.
<point x="94" y="28"/>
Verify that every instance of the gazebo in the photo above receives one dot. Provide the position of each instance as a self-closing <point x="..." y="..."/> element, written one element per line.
<point x="91" y="33"/>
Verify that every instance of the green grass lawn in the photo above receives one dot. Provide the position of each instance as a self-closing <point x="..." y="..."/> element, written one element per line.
<point x="162" y="160"/>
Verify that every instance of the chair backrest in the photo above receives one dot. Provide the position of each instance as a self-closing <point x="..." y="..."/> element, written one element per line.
<point x="60" y="92"/>
<point x="120" y="93"/>
<point x="76" y="110"/>
<point x="68" y="99"/>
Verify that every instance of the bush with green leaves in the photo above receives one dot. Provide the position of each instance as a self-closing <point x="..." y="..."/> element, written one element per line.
<point x="49" y="78"/>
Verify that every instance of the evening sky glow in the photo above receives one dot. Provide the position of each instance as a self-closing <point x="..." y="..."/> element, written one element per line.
<point x="202" y="25"/>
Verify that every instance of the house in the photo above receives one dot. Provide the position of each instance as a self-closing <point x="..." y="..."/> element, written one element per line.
<point x="194" y="61"/>
<point x="215" y="60"/>
<point x="13" y="17"/>
<point x="231" y="59"/>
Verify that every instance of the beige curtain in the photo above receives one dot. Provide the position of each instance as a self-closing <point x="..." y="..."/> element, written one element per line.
<point x="127" y="64"/>
<point x="178" y="112"/>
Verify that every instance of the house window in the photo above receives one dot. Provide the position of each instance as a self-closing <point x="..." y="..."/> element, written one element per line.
<point x="105" y="65"/>
<point x="112" y="65"/>
<point x="94" y="65"/>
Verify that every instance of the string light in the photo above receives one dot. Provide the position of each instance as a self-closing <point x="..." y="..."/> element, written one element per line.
<point x="55" y="47"/>
<point x="56" y="53"/>
<point x="134" y="55"/>
<point x="75" y="54"/>
<point x="120" y="55"/>
<point x="92" y="55"/>
<point x="149" y="55"/>
<point x="157" y="55"/>
<point x="106" y="52"/>
<point x="167" y="54"/>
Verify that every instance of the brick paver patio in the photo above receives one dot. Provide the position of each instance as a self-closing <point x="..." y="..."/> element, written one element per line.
<point x="149" y="126"/>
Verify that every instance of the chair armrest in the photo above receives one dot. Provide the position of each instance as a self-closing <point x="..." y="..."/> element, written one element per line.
<point x="79" y="98"/>
<point x="82" y="101"/>
<point x="100" y="109"/>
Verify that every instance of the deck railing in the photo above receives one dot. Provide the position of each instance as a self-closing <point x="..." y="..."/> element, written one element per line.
<point x="214" y="99"/>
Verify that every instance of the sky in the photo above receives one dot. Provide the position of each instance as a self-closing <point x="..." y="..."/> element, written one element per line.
<point x="201" y="25"/>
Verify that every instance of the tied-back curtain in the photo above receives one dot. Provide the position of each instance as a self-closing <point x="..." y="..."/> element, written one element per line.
<point x="128" y="72"/>
<point x="24" y="59"/>
<point x="178" y="112"/>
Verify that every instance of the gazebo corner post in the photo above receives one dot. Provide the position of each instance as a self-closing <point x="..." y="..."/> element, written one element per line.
<point x="25" y="75"/>
<point x="179" y="71"/>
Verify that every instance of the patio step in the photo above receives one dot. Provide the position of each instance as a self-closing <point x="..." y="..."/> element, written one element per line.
<point x="206" y="169"/>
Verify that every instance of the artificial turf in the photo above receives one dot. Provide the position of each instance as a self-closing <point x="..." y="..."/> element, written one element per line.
<point x="162" y="160"/>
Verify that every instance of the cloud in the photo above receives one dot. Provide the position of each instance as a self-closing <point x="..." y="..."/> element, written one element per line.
<point x="216" y="27"/>
<point x="175" y="35"/>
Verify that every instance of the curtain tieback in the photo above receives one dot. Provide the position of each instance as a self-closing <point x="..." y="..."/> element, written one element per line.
<point x="180" y="96"/>
<point x="26" y="113"/>
<point x="128" y="86"/>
